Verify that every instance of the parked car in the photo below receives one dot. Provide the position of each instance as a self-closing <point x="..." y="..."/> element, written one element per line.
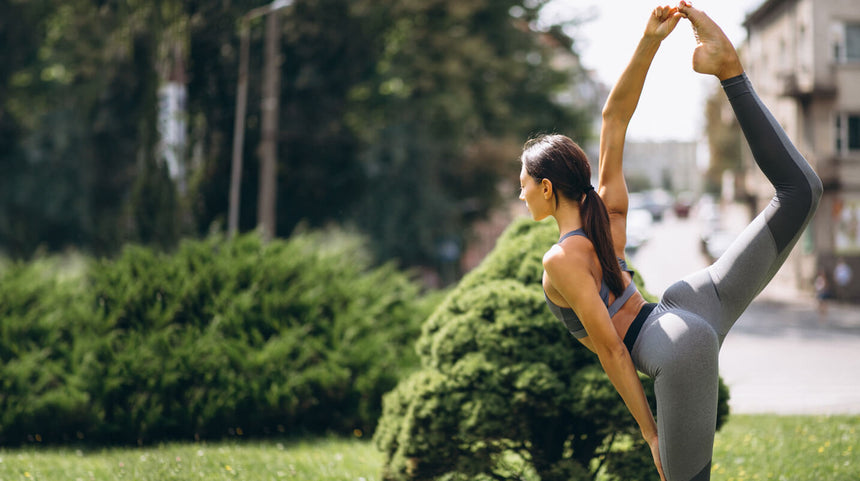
<point x="655" y="202"/>
<point x="708" y="215"/>
<point x="639" y="225"/>
<point x="684" y="202"/>
<point x="714" y="236"/>
<point x="715" y="243"/>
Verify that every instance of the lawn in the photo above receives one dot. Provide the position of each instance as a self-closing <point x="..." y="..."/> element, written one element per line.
<point x="749" y="448"/>
<point x="312" y="460"/>
<point x="788" y="448"/>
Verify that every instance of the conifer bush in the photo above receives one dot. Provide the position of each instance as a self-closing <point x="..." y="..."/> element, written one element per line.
<point x="504" y="391"/>
<point x="221" y="337"/>
<point x="39" y="312"/>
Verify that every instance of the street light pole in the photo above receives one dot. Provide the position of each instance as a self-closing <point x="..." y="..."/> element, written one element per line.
<point x="271" y="99"/>
<point x="239" y="129"/>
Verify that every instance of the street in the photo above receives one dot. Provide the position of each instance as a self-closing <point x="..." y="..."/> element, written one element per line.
<point x="779" y="358"/>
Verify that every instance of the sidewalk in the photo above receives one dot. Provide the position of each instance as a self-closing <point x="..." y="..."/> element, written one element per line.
<point x="780" y="359"/>
<point x="783" y="357"/>
<point x="782" y="291"/>
<point x="783" y="288"/>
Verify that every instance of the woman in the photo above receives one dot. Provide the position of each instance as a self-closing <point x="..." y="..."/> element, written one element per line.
<point x="587" y="284"/>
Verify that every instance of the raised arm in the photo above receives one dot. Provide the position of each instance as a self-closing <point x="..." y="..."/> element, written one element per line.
<point x="617" y="113"/>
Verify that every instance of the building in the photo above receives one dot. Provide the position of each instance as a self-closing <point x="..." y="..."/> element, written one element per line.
<point x="668" y="165"/>
<point x="803" y="57"/>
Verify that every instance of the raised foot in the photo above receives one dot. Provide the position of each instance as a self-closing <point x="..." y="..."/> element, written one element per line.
<point x="715" y="54"/>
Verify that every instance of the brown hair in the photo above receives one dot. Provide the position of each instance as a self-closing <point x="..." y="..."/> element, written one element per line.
<point x="560" y="160"/>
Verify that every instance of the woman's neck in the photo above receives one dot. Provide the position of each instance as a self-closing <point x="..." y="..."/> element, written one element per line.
<point x="567" y="217"/>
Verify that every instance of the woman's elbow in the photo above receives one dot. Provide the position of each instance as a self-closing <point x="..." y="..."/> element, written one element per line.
<point x="613" y="116"/>
<point x="612" y="351"/>
<point x="609" y="112"/>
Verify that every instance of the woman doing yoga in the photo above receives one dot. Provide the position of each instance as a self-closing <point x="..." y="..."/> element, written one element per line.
<point x="586" y="280"/>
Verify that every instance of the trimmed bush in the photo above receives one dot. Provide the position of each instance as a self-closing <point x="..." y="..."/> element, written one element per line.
<point x="504" y="390"/>
<point x="39" y="313"/>
<point x="221" y="337"/>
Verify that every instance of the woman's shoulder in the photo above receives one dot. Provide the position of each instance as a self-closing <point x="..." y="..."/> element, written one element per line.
<point x="574" y="250"/>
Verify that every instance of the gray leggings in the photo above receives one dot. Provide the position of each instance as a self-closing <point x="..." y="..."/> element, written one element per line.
<point x="679" y="342"/>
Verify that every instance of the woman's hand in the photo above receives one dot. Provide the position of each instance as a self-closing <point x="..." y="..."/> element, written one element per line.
<point x="662" y="21"/>
<point x="654" y="443"/>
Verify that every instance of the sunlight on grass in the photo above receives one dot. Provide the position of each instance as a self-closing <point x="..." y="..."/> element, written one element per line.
<point x="323" y="460"/>
<point x="787" y="448"/>
<point x="748" y="448"/>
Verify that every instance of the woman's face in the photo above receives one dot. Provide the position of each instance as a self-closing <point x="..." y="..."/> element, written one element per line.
<point x="535" y="195"/>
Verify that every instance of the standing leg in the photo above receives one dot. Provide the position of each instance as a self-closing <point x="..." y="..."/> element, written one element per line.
<point x="680" y="351"/>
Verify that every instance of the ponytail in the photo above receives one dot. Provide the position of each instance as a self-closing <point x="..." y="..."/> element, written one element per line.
<point x="595" y="223"/>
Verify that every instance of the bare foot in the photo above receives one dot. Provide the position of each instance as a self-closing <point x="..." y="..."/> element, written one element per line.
<point x="715" y="53"/>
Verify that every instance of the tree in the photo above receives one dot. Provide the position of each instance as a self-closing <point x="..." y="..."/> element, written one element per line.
<point x="504" y="390"/>
<point x="22" y="181"/>
<point x="725" y="140"/>
<point x="400" y="118"/>
<point x="86" y="98"/>
<point x="453" y="77"/>
<point x="326" y="48"/>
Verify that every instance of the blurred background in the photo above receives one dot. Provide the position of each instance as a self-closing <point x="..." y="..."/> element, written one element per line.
<point x="148" y="122"/>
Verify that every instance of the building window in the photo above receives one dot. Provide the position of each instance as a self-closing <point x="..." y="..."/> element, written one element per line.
<point x="838" y="135"/>
<point x="852" y="42"/>
<point x="847" y="133"/>
<point x="853" y="132"/>
<point x="846" y="42"/>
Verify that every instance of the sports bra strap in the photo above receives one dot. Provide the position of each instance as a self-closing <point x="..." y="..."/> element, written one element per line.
<point x="628" y="291"/>
<point x="620" y="300"/>
<point x="571" y="234"/>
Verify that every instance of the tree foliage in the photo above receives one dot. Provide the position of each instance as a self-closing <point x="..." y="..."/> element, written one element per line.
<point x="504" y="391"/>
<point x="399" y="118"/>
<point x="457" y="87"/>
<point x="725" y="140"/>
<point x="85" y="104"/>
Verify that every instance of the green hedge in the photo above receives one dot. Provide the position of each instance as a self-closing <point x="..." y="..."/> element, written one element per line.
<point x="40" y="314"/>
<point x="504" y="391"/>
<point x="220" y="337"/>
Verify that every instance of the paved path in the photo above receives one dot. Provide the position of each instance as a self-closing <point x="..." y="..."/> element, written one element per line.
<point x="779" y="358"/>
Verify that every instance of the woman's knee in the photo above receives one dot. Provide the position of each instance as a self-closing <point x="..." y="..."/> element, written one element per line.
<point x="817" y="189"/>
<point x="793" y="209"/>
<point x="806" y="196"/>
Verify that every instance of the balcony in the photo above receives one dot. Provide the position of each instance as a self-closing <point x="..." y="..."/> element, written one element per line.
<point x="790" y="85"/>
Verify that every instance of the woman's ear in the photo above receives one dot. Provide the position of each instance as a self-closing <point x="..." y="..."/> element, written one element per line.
<point x="546" y="185"/>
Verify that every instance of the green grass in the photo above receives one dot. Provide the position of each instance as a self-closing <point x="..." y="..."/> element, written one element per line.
<point x="788" y="448"/>
<point x="748" y="448"/>
<point x="320" y="459"/>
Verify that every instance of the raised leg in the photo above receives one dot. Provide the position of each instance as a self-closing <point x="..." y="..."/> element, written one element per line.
<point x="760" y="250"/>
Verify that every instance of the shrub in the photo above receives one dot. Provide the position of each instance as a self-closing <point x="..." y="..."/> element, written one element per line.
<point x="220" y="337"/>
<point x="504" y="390"/>
<point x="38" y="324"/>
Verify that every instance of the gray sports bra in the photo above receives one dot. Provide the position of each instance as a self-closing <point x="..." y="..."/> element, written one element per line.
<point x="566" y="314"/>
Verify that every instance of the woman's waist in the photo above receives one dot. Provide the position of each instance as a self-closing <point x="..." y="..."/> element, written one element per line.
<point x="635" y="326"/>
<point x="626" y="316"/>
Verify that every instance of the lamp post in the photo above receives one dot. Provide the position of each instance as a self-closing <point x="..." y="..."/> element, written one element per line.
<point x="270" y="101"/>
